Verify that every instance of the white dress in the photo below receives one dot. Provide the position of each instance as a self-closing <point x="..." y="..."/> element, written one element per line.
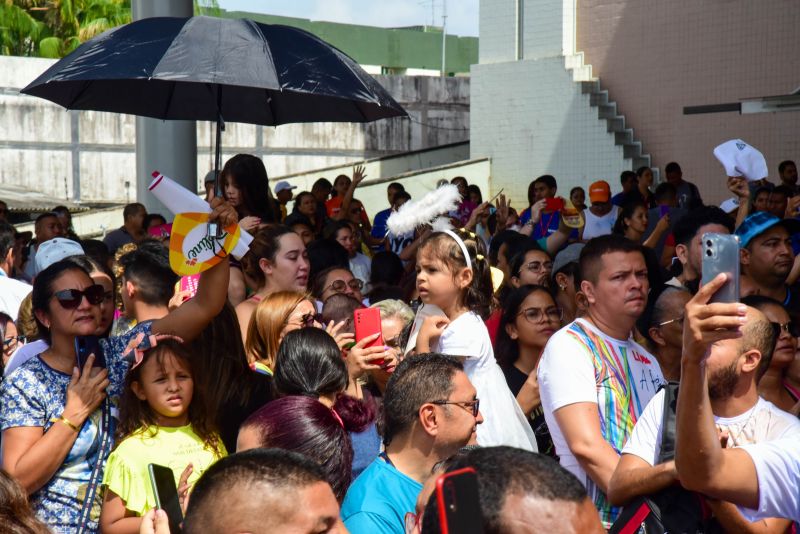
<point x="504" y="423"/>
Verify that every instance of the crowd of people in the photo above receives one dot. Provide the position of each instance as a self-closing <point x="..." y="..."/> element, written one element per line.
<point x="579" y="372"/>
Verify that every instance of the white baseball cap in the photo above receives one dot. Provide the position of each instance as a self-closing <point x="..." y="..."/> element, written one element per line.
<point x="54" y="250"/>
<point x="741" y="159"/>
<point x="283" y="185"/>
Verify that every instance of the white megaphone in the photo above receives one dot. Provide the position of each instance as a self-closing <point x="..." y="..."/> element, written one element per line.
<point x="178" y="199"/>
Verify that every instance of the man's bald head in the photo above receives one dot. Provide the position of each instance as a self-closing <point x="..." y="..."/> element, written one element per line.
<point x="758" y="334"/>
<point x="262" y="490"/>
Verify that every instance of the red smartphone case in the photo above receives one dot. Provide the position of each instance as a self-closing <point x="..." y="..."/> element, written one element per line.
<point x="368" y="322"/>
<point x="554" y="204"/>
<point x="458" y="517"/>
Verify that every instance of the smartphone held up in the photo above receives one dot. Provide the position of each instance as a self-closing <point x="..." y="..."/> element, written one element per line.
<point x="367" y="323"/>
<point x="721" y="255"/>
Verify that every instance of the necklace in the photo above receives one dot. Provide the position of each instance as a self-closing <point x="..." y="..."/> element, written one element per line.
<point x="735" y="440"/>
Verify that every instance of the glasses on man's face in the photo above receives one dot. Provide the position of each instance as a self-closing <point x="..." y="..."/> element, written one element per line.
<point x="473" y="405"/>
<point x="552" y="314"/>
<point x="71" y="298"/>
<point x="11" y="343"/>
<point x="340" y="286"/>
<point x="789" y="328"/>
<point x="539" y="266"/>
<point x="678" y="320"/>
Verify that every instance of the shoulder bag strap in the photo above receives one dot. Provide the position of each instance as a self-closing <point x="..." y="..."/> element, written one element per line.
<point x="668" y="423"/>
<point x="96" y="477"/>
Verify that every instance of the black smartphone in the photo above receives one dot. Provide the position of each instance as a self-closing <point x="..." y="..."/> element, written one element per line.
<point x="86" y="345"/>
<point x="163" y="481"/>
<point x="721" y="255"/>
<point x="458" y="502"/>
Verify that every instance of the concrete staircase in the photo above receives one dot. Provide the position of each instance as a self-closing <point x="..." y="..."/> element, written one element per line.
<point x="632" y="149"/>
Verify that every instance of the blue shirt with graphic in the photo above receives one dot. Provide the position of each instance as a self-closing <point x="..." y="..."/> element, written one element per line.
<point x="32" y="396"/>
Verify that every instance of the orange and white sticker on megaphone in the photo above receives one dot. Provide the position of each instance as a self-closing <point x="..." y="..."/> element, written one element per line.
<point x="192" y="250"/>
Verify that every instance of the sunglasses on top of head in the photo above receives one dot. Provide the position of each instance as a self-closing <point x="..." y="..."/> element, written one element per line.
<point x="71" y="298"/>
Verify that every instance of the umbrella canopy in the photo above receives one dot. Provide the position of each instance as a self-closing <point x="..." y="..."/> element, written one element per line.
<point x="204" y="68"/>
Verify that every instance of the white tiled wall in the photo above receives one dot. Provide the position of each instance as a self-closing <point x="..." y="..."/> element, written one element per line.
<point x="529" y="116"/>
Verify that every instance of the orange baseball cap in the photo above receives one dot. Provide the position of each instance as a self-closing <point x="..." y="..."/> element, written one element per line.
<point x="600" y="191"/>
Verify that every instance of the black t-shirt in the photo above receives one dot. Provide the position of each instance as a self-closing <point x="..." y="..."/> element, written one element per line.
<point x="515" y="379"/>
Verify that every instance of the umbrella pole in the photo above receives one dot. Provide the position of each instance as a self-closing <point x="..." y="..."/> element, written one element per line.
<point x="214" y="229"/>
<point x="218" y="153"/>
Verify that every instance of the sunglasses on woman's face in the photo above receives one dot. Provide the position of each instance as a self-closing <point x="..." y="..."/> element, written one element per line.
<point x="71" y="298"/>
<point x="309" y="319"/>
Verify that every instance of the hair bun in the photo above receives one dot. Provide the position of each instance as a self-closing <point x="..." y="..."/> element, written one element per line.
<point x="356" y="415"/>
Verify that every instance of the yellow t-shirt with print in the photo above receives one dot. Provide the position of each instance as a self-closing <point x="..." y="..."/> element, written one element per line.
<point x="127" y="472"/>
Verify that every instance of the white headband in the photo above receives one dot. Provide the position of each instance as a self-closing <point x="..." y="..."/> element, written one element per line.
<point x="460" y="244"/>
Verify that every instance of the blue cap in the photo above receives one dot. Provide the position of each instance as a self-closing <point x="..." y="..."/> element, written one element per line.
<point x="759" y="222"/>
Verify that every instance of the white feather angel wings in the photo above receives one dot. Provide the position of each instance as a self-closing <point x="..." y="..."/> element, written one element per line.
<point x="430" y="209"/>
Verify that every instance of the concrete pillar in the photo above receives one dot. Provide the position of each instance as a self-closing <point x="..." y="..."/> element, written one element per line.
<point x="166" y="146"/>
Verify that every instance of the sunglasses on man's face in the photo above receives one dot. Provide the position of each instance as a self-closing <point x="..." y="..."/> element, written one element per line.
<point x="340" y="286"/>
<point x="71" y="298"/>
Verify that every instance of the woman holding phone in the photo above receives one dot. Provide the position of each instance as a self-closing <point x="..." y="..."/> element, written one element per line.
<point x="57" y="421"/>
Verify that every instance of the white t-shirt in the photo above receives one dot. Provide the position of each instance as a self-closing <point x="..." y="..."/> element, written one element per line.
<point x="597" y="226"/>
<point x="763" y="422"/>
<point x="12" y="293"/>
<point x="582" y="364"/>
<point x="778" y="471"/>
<point x="361" y="267"/>
<point x="504" y="423"/>
<point x="467" y="337"/>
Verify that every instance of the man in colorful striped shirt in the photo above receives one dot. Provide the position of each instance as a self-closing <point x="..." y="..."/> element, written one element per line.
<point x="594" y="379"/>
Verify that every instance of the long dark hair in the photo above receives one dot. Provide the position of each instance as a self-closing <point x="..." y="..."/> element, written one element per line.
<point x="386" y="269"/>
<point x="219" y="365"/>
<point x="477" y="296"/>
<point x="135" y="415"/>
<point x="626" y="212"/>
<point x="506" y="349"/>
<point x="250" y="175"/>
<point x="309" y="363"/>
<point x="305" y="425"/>
<point x="298" y="199"/>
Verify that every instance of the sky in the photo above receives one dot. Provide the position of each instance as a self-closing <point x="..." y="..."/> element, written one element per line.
<point x="462" y="15"/>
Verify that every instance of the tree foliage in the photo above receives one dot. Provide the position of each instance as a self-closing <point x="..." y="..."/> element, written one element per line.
<point x="54" y="28"/>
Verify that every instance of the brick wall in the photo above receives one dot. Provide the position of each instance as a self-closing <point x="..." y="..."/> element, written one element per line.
<point x="656" y="56"/>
